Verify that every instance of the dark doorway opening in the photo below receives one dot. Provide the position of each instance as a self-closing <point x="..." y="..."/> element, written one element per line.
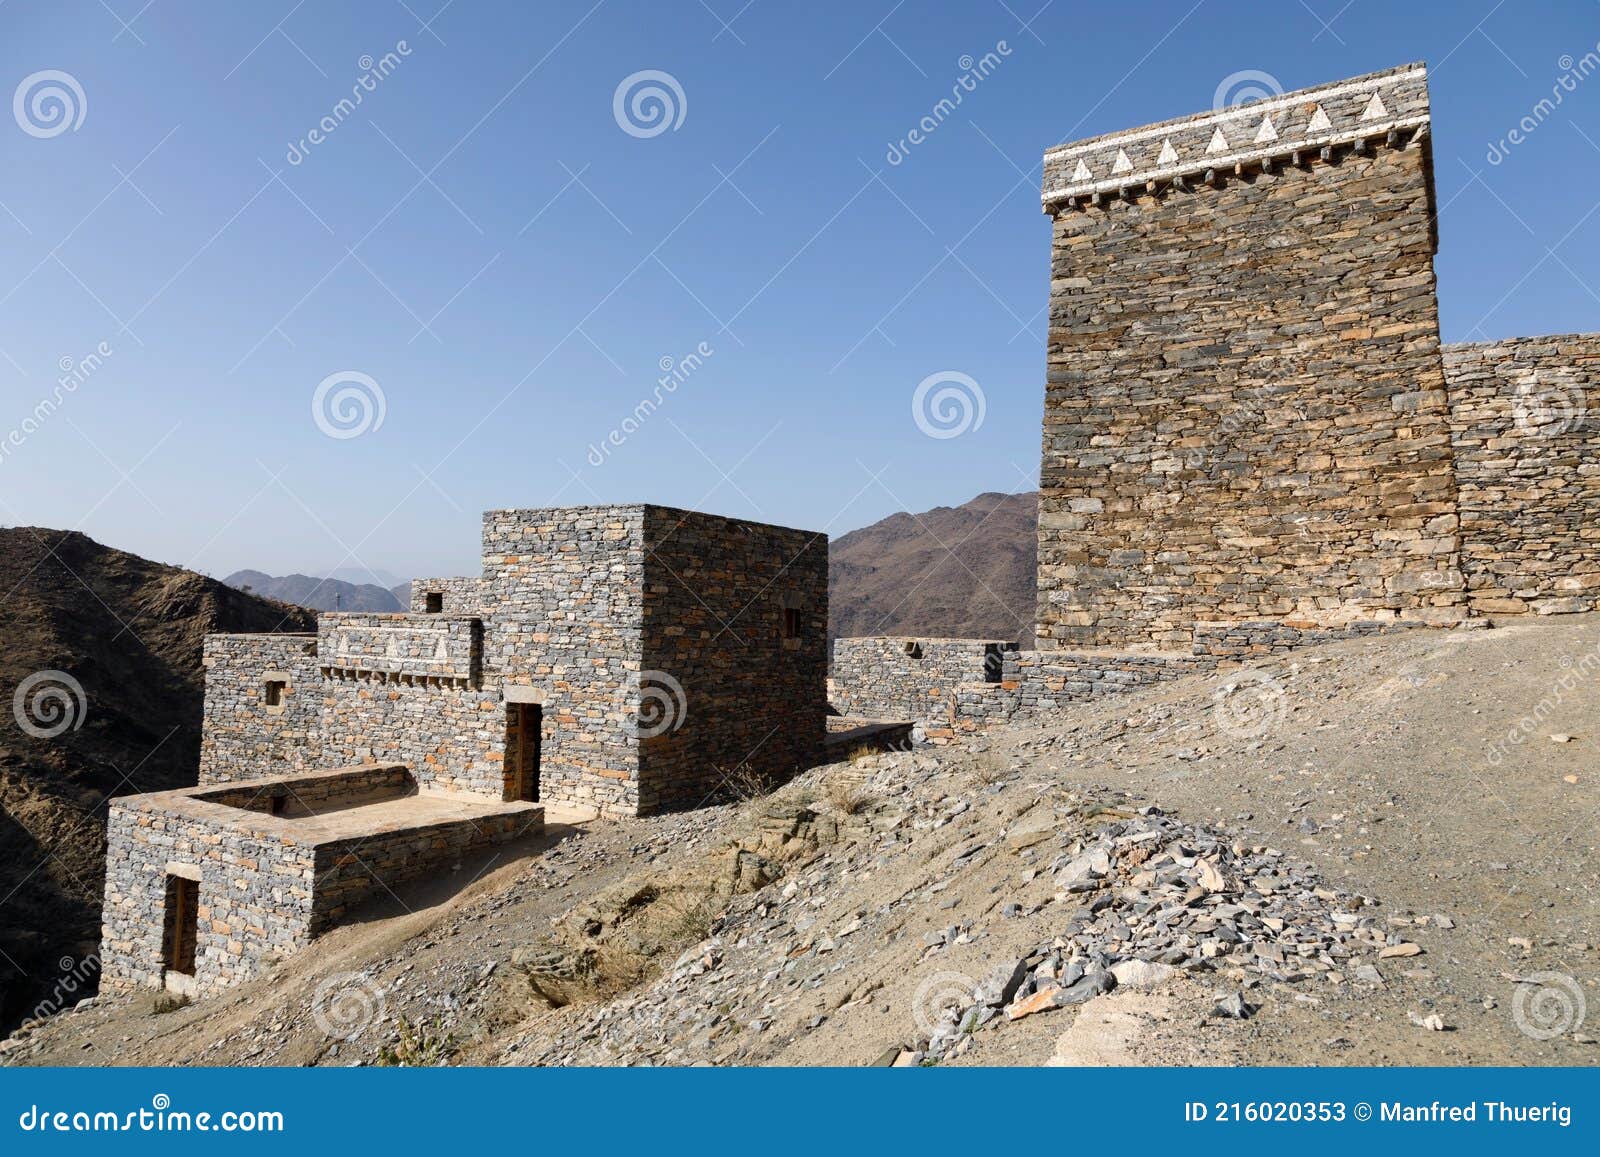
<point x="524" y="728"/>
<point x="181" y="924"/>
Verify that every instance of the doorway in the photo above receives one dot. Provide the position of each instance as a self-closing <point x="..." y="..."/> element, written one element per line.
<point x="181" y="925"/>
<point x="524" y="728"/>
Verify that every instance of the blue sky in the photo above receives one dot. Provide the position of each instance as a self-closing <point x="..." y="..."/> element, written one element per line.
<point x="487" y="244"/>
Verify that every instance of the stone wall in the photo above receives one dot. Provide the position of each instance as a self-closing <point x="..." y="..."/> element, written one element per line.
<point x="1043" y="681"/>
<point x="267" y="882"/>
<point x="431" y="649"/>
<point x="1245" y="411"/>
<point x="889" y="677"/>
<point x="243" y="736"/>
<point x="457" y="596"/>
<point x="353" y="870"/>
<point x="955" y="687"/>
<point x="1523" y="415"/>
<point x="562" y="598"/>
<point x="735" y="652"/>
<point x="1252" y="638"/>
<point x="254" y="890"/>
<point x="452" y="737"/>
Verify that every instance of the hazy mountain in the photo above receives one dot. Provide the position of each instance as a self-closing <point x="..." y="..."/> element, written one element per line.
<point x="963" y="571"/>
<point x="319" y="594"/>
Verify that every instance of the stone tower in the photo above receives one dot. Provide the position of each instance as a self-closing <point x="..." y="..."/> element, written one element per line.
<point x="1245" y="410"/>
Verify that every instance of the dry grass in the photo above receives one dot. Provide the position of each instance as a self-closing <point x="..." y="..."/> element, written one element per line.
<point x="847" y="796"/>
<point x="420" y="1046"/>
<point x="743" y="783"/>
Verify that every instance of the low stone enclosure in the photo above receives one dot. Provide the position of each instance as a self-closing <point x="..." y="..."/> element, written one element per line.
<point x="205" y="885"/>
<point x="1253" y="438"/>
<point x="614" y="660"/>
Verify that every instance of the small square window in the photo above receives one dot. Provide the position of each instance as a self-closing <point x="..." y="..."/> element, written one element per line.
<point x="791" y="622"/>
<point x="433" y="602"/>
<point x="272" y="692"/>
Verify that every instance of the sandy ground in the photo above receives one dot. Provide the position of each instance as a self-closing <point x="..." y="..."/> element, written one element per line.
<point x="1385" y="764"/>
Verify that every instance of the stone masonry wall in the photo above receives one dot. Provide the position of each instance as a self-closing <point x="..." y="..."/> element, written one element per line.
<point x="266" y="884"/>
<point x="1523" y="416"/>
<point x="739" y="690"/>
<point x="438" y="649"/>
<point x="242" y="736"/>
<point x="910" y="678"/>
<point x="453" y="737"/>
<point x="1245" y="414"/>
<point x="254" y="891"/>
<point x="351" y="871"/>
<point x="457" y="596"/>
<point x="562" y="601"/>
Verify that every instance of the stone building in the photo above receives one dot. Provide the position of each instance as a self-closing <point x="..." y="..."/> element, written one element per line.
<point x="1253" y="439"/>
<point x="621" y="660"/>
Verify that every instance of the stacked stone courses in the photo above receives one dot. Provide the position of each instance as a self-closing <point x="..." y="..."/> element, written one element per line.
<point x="267" y="883"/>
<point x="1245" y="411"/>
<point x="624" y="659"/>
<point x="1523" y="417"/>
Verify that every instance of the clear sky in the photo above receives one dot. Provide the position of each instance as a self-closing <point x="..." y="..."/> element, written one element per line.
<point x="503" y="248"/>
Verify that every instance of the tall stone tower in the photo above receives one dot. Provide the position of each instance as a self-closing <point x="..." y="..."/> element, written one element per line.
<point x="1245" y="413"/>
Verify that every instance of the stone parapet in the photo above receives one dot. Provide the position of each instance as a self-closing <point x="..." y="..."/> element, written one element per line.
<point x="431" y="649"/>
<point x="1391" y="106"/>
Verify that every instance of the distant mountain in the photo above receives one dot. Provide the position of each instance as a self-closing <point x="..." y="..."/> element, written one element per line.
<point x="402" y="595"/>
<point x="319" y="594"/>
<point x="105" y="649"/>
<point x="965" y="571"/>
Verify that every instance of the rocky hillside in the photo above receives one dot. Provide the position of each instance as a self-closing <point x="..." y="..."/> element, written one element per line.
<point x="101" y="688"/>
<point x="964" y="571"/>
<point x="1392" y="863"/>
<point x="322" y="594"/>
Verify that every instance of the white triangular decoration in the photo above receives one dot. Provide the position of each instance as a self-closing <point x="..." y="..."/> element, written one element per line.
<point x="1082" y="173"/>
<point x="1319" y="121"/>
<point x="1169" y="155"/>
<point x="1121" y="164"/>
<point x="1375" y="109"/>
<point x="1219" y="143"/>
<point x="1266" y="132"/>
